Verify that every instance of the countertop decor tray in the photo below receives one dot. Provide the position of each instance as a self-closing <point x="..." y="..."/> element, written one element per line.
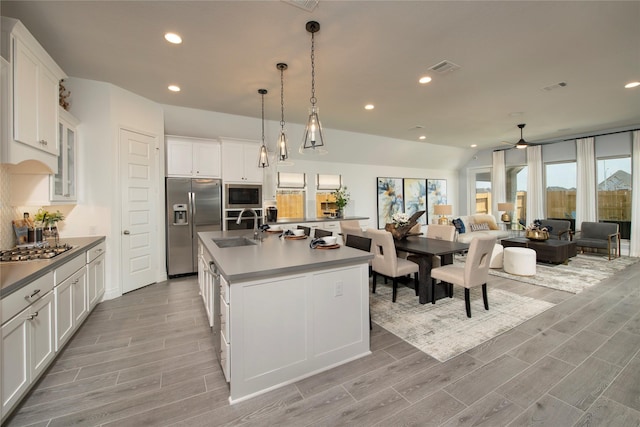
<point x="335" y="246"/>
<point x="295" y="237"/>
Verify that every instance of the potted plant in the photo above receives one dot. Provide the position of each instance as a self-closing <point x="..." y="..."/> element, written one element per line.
<point x="49" y="221"/>
<point x="341" y="200"/>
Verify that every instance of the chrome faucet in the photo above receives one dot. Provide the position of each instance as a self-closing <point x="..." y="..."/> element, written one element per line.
<point x="255" y="222"/>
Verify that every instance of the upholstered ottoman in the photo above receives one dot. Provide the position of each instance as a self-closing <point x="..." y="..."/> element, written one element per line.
<point x="520" y="261"/>
<point x="496" y="256"/>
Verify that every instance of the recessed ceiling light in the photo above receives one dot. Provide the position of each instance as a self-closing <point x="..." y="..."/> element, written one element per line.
<point x="474" y="145"/>
<point x="632" y="85"/>
<point x="424" y="80"/>
<point x="422" y="137"/>
<point x="174" y="88"/>
<point x="369" y="107"/>
<point x="173" y="38"/>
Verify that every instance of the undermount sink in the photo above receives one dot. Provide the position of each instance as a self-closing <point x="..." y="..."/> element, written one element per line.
<point x="233" y="242"/>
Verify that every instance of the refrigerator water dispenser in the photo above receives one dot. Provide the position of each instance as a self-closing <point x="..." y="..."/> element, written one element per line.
<point x="180" y="214"/>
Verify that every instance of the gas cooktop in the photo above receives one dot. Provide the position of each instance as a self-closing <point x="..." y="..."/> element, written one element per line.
<point x="33" y="252"/>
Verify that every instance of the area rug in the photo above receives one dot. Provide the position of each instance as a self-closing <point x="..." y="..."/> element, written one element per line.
<point x="582" y="272"/>
<point x="443" y="330"/>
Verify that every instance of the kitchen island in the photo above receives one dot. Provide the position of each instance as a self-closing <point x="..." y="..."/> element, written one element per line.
<point x="280" y="310"/>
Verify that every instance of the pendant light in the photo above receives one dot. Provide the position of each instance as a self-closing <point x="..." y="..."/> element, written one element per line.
<point x="313" y="140"/>
<point x="282" y="146"/>
<point x="263" y="159"/>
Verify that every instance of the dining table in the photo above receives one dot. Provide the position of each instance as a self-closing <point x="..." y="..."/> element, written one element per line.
<point x="422" y="250"/>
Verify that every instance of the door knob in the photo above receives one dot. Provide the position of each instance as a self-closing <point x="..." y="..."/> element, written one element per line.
<point x="126" y="232"/>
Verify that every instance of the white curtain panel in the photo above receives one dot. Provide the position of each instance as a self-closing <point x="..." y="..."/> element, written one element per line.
<point x="634" y="244"/>
<point x="586" y="202"/>
<point x="498" y="182"/>
<point x="535" y="189"/>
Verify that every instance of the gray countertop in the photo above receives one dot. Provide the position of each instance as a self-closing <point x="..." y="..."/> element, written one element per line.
<point x="16" y="274"/>
<point x="275" y="256"/>
<point x="319" y="219"/>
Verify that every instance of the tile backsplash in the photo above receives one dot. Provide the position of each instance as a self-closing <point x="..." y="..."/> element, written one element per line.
<point x="7" y="212"/>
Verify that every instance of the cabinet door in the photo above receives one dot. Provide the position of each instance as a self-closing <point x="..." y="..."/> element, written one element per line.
<point x="96" y="276"/>
<point x="15" y="360"/>
<point x="48" y="90"/>
<point x="80" y="299"/>
<point x="63" y="183"/>
<point x="64" y="312"/>
<point x="233" y="160"/>
<point x="25" y="98"/>
<point x="179" y="158"/>
<point x="206" y="160"/>
<point x="252" y="173"/>
<point x="42" y="334"/>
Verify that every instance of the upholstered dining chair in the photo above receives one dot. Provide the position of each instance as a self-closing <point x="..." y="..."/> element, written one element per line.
<point x="352" y="227"/>
<point x="386" y="262"/>
<point x="415" y="230"/>
<point x="307" y="230"/>
<point x="474" y="272"/>
<point x="322" y="233"/>
<point x="440" y="232"/>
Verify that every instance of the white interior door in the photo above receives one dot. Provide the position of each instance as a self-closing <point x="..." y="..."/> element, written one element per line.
<point x="139" y="207"/>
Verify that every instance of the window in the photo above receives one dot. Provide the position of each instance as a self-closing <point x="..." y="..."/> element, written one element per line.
<point x="482" y="184"/>
<point x="560" y="181"/>
<point x="290" y="195"/>
<point x="614" y="192"/>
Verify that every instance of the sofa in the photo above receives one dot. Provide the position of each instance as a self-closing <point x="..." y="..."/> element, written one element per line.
<point x="478" y="225"/>
<point x="559" y="229"/>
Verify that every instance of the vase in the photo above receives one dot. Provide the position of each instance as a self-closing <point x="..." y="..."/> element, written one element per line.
<point x="339" y="213"/>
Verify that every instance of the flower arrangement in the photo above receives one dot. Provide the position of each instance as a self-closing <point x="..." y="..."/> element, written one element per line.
<point x="342" y="197"/>
<point x="47" y="218"/>
<point x="400" y="219"/>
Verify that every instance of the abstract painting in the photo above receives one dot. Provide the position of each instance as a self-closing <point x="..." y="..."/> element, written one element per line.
<point x="415" y="197"/>
<point x="436" y="194"/>
<point x="390" y="199"/>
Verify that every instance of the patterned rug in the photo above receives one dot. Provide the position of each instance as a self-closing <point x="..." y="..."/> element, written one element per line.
<point x="582" y="272"/>
<point x="443" y="330"/>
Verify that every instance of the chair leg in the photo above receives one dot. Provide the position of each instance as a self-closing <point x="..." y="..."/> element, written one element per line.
<point x="484" y="297"/>
<point x="433" y="291"/>
<point x="467" y="301"/>
<point x="395" y="289"/>
<point x="416" y="282"/>
<point x="373" y="286"/>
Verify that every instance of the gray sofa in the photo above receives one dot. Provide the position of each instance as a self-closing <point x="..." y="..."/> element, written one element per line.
<point x="559" y="229"/>
<point x="599" y="235"/>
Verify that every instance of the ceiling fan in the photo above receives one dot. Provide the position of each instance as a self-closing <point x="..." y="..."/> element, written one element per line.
<point x="522" y="143"/>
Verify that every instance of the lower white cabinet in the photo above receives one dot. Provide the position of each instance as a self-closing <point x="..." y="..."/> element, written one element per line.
<point x="95" y="274"/>
<point x="64" y="313"/>
<point x="28" y="346"/>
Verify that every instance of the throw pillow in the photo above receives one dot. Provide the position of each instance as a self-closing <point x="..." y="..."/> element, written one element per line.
<point x="459" y="225"/>
<point x="480" y="226"/>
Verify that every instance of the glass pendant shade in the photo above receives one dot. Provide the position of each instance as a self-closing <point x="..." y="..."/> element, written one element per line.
<point x="263" y="159"/>
<point x="283" y="148"/>
<point x="282" y="144"/>
<point x="313" y="141"/>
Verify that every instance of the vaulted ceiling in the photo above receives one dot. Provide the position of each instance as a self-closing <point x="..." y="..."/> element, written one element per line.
<point x="558" y="66"/>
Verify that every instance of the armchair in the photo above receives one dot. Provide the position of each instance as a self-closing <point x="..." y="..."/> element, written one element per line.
<point x="559" y="229"/>
<point x="599" y="235"/>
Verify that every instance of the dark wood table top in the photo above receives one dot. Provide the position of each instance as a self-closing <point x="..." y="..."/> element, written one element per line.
<point x="428" y="246"/>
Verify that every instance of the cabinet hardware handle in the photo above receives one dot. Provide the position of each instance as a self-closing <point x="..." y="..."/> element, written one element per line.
<point x="126" y="232"/>
<point x="211" y="265"/>
<point x="36" y="292"/>
<point x="43" y="142"/>
<point x="33" y="316"/>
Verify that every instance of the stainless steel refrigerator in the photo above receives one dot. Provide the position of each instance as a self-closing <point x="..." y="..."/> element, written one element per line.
<point x="193" y="205"/>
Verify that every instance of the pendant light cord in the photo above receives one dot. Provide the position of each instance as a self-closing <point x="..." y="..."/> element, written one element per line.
<point x="262" y="118"/>
<point x="282" y="97"/>
<point x="313" y="70"/>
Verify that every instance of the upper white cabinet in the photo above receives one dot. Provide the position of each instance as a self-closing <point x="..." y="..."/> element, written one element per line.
<point x="240" y="160"/>
<point x="63" y="183"/>
<point x="32" y="98"/>
<point x="193" y="157"/>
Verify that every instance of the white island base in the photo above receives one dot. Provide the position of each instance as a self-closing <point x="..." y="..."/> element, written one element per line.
<point x="283" y="329"/>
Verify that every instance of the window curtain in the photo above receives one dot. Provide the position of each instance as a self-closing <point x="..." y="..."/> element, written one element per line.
<point x="586" y="202"/>
<point x="498" y="181"/>
<point x="634" y="244"/>
<point x="535" y="190"/>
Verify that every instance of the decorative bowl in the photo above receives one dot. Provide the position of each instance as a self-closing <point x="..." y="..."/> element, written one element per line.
<point x="537" y="235"/>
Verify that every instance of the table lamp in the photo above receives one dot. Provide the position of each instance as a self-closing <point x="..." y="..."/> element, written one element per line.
<point x="443" y="210"/>
<point x="506" y="208"/>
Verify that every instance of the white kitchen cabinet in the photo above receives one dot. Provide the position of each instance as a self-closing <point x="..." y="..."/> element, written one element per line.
<point x="71" y="298"/>
<point x="64" y="313"/>
<point x="27" y="349"/>
<point x="193" y="157"/>
<point x="95" y="274"/>
<point x="63" y="183"/>
<point x="240" y="161"/>
<point x="32" y="101"/>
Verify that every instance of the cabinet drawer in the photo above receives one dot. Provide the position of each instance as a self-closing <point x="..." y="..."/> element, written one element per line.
<point x="95" y="252"/>
<point x="69" y="268"/>
<point x="19" y="300"/>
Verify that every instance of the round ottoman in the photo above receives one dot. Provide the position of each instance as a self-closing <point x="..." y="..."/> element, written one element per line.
<point x="520" y="261"/>
<point x="496" y="256"/>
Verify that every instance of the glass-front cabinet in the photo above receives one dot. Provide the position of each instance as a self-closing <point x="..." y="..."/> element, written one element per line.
<point x="63" y="184"/>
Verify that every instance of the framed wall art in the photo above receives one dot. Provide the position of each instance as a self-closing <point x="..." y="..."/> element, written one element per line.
<point x="436" y="195"/>
<point x="415" y="197"/>
<point x="390" y="199"/>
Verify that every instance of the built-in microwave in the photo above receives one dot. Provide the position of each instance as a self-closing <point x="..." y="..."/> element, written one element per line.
<point x="238" y="196"/>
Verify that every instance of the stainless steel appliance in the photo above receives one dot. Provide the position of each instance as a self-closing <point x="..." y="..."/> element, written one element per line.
<point x="240" y="196"/>
<point x="29" y="253"/>
<point x="193" y="205"/>
<point x="272" y="214"/>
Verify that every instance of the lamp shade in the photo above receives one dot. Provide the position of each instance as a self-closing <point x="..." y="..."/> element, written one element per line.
<point x="505" y="207"/>
<point x="443" y="209"/>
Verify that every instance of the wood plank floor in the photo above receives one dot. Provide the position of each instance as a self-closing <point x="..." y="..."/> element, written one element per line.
<point x="146" y="359"/>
